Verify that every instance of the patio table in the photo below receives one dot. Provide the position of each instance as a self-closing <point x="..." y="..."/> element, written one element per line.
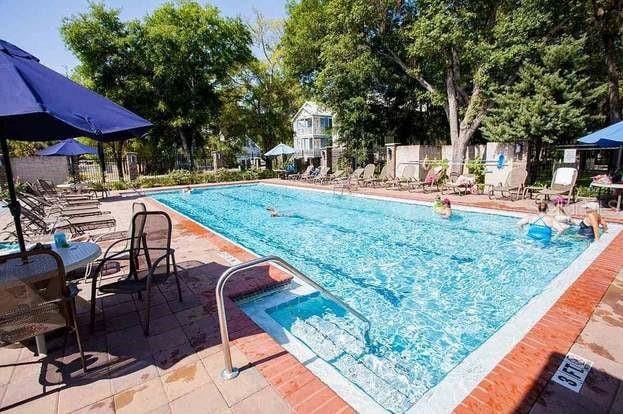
<point x="75" y="256"/>
<point x="618" y="187"/>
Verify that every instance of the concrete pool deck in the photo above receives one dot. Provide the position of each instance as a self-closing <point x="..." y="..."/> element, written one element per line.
<point x="158" y="374"/>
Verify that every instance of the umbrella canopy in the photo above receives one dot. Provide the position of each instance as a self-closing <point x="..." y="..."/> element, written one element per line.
<point x="611" y="136"/>
<point x="69" y="148"/>
<point x="281" y="149"/>
<point x="38" y="104"/>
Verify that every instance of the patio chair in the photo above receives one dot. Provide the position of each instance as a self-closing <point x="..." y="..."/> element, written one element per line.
<point x="305" y="173"/>
<point x="563" y="183"/>
<point x="384" y="176"/>
<point x="115" y="236"/>
<point x="322" y="175"/>
<point x="459" y="183"/>
<point x="149" y="243"/>
<point x="336" y="176"/>
<point x="431" y="181"/>
<point x="513" y="188"/>
<point x="405" y="179"/>
<point x="350" y="182"/>
<point x="34" y="298"/>
<point x="367" y="175"/>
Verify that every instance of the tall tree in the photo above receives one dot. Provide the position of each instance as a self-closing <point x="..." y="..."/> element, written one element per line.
<point x="261" y="98"/>
<point x="608" y="20"/>
<point x="191" y="50"/>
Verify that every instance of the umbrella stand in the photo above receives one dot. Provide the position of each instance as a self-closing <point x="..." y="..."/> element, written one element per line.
<point x="14" y="206"/>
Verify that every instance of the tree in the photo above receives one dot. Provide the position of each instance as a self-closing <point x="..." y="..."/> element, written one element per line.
<point x="261" y="98"/>
<point x="456" y="52"/>
<point x="191" y="51"/>
<point x="548" y="103"/>
<point x="608" y="20"/>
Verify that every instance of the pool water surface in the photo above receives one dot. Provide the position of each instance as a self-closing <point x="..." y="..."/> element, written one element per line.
<point x="433" y="289"/>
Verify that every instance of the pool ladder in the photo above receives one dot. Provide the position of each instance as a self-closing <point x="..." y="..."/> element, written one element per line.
<point x="230" y="371"/>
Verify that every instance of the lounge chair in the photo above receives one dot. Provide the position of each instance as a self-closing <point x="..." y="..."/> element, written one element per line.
<point x="513" y="188"/>
<point x="322" y="175"/>
<point x="431" y="181"/>
<point x="150" y="244"/>
<point x="367" y="175"/>
<point x="384" y="176"/>
<point x="563" y="183"/>
<point x="336" y="176"/>
<point x="407" y="177"/>
<point x="349" y="183"/>
<point x="303" y="175"/>
<point x="459" y="184"/>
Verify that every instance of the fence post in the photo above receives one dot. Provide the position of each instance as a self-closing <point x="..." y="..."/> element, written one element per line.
<point x="132" y="165"/>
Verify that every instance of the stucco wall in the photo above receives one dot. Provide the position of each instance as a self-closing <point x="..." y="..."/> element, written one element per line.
<point x="49" y="168"/>
<point x="408" y="154"/>
<point x="515" y="155"/>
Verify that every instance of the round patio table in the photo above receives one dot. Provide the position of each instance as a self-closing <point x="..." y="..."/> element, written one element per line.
<point x="612" y="186"/>
<point x="77" y="255"/>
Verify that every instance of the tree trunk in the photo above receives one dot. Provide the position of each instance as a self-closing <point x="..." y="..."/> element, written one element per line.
<point x="607" y="17"/>
<point x="187" y="145"/>
<point x="614" y="97"/>
<point x="119" y="161"/>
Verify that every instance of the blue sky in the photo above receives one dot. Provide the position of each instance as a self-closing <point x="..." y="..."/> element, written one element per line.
<point x="33" y="25"/>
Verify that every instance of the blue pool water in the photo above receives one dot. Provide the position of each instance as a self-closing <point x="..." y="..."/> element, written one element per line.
<point x="433" y="289"/>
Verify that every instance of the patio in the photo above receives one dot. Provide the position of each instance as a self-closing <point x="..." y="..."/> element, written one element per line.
<point x="176" y="369"/>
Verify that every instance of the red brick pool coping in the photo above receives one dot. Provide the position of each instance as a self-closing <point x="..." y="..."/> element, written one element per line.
<point x="512" y="386"/>
<point x="304" y="392"/>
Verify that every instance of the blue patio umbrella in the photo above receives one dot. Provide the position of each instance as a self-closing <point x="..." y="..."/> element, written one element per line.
<point x="71" y="149"/>
<point x="280" y="149"/>
<point x="611" y="136"/>
<point x="38" y="104"/>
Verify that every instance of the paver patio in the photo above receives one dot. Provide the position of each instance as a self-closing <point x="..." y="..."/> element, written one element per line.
<point x="176" y="369"/>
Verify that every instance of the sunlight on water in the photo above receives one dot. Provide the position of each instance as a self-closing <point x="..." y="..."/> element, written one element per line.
<point x="433" y="289"/>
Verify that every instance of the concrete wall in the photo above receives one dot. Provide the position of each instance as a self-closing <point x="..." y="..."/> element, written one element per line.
<point x="49" y="168"/>
<point x="515" y="155"/>
<point x="472" y="152"/>
<point x="415" y="154"/>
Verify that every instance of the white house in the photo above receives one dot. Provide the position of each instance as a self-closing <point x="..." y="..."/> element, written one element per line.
<point x="250" y="155"/>
<point x="312" y="130"/>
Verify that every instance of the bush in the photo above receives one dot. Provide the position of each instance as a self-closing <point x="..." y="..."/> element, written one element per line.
<point x="478" y="169"/>
<point x="185" y="177"/>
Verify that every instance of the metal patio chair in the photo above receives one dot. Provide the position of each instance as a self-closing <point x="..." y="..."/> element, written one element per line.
<point x="150" y="246"/>
<point x="34" y="298"/>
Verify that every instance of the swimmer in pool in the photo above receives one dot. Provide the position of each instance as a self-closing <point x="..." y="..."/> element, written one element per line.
<point x="442" y="207"/>
<point x="592" y="223"/>
<point x="542" y="220"/>
<point x="273" y="212"/>
<point x="187" y="190"/>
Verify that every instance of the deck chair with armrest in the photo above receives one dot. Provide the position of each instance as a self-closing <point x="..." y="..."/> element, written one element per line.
<point x="35" y="299"/>
<point x="431" y="181"/>
<point x="563" y="183"/>
<point x="367" y="175"/>
<point x="150" y="245"/>
<point x="513" y="187"/>
<point x="304" y="174"/>
<point x="350" y="182"/>
<point x="322" y="175"/>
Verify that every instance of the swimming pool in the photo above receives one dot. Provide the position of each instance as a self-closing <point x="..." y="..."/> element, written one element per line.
<point x="434" y="290"/>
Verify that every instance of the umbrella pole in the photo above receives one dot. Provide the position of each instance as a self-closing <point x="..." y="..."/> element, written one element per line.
<point x="14" y="206"/>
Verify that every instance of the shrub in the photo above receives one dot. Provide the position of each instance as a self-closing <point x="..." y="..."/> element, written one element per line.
<point x="184" y="177"/>
<point x="478" y="169"/>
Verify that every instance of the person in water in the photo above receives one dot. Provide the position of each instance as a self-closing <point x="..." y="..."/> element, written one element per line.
<point x="559" y="213"/>
<point x="542" y="226"/>
<point x="592" y="223"/>
<point x="273" y="212"/>
<point x="187" y="190"/>
<point x="442" y="207"/>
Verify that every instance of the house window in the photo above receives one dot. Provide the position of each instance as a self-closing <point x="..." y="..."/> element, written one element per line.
<point x="325" y="123"/>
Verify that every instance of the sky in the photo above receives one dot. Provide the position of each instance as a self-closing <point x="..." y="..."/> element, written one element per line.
<point x="33" y="25"/>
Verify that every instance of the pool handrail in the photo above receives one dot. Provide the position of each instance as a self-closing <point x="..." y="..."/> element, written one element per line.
<point x="230" y="371"/>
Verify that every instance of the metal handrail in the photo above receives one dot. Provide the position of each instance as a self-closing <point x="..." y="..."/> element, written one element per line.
<point x="230" y="371"/>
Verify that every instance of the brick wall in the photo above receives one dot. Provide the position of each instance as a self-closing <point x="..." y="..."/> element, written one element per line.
<point x="49" y="168"/>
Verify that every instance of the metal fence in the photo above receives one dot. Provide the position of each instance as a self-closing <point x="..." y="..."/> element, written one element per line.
<point x="90" y="170"/>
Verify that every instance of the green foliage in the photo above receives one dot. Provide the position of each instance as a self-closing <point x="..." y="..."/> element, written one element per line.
<point x="25" y="148"/>
<point x="168" y="67"/>
<point x="185" y="177"/>
<point x="477" y="167"/>
<point x="549" y="101"/>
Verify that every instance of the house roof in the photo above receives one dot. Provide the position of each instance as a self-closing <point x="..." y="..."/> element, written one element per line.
<point x="313" y="108"/>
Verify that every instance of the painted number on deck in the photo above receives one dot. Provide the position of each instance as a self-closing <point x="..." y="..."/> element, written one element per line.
<point x="572" y="372"/>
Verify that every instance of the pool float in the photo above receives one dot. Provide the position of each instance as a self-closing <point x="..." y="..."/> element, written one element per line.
<point x="540" y="232"/>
